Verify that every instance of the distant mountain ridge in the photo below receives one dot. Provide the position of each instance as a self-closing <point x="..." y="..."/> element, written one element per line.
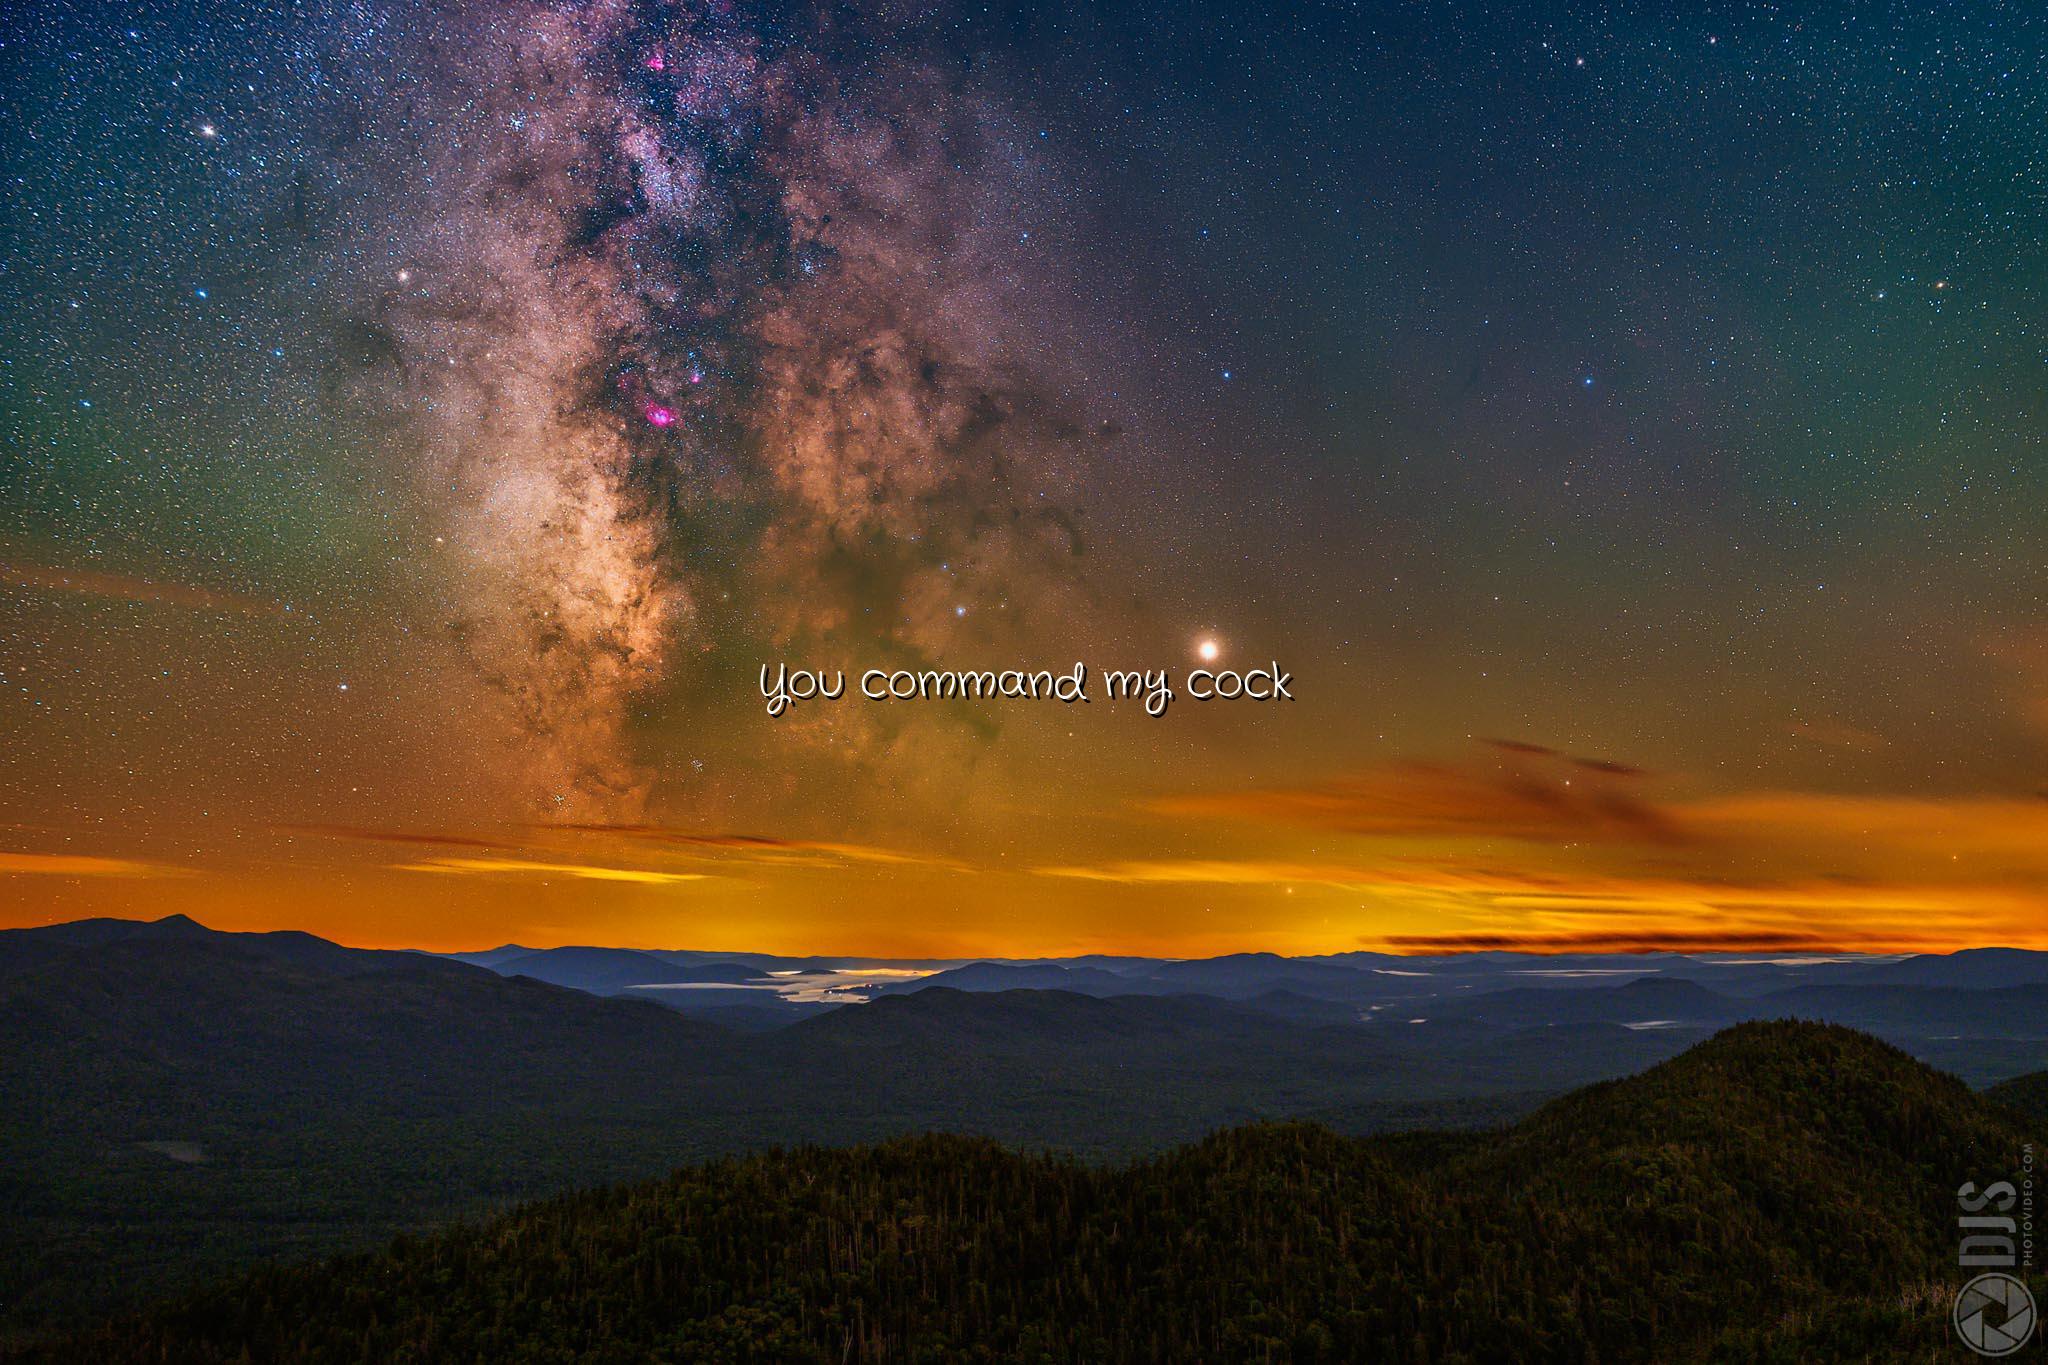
<point x="1367" y="982"/>
<point x="325" y="1094"/>
<point x="612" y="971"/>
<point x="1969" y="968"/>
<point x="21" y="948"/>
<point x="256" y="1095"/>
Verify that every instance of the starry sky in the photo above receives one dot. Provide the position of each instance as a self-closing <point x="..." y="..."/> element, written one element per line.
<point x="420" y="420"/>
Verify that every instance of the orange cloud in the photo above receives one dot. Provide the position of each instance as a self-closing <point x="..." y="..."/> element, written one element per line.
<point x="1960" y="836"/>
<point x="368" y="834"/>
<point x="520" y="867"/>
<point x="1531" y="793"/>
<point x="1678" y="941"/>
<point x="760" y="849"/>
<point x="1219" y="872"/>
<point x="76" y="865"/>
<point x="1542" y="796"/>
<point x="1573" y="907"/>
<point x="118" y="587"/>
<point x="765" y="847"/>
<point x="1532" y="846"/>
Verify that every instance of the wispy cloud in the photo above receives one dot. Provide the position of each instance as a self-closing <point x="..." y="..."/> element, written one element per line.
<point x="1526" y="845"/>
<point x="120" y="587"/>
<point x="1574" y="908"/>
<point x="77" y="865"/>
<point x="1218" y="872"/>
<point x="414" y="838"/>
<point x="1956" y="837"/>
<point x="1540" y="796"/>
<point x="766" y="847"/>
<point x="538" y="848"/>
<point x="521" y="867"/>
<point x="1676" y="941"/>
<point x="1526" y="792"/>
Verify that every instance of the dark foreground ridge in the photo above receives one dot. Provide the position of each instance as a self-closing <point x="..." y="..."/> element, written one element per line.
<point x="1782" y="1191"/>
<point x="178" y="1104"/>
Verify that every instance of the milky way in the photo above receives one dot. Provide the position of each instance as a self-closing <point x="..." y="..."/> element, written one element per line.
<point x="706" y="335"/>
<point x="427" y="416"/>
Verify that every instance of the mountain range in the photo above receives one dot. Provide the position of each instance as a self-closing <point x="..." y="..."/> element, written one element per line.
<point x="244" y="1097"/>
<point x="1780" y="1192"/>
<point x="1981" y="1013"/>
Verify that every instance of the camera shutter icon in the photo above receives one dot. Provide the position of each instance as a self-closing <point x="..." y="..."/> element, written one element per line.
<point x="1994" y="1315"/>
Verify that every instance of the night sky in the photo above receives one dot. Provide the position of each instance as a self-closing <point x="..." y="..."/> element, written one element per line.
<point x="420" y="420"/>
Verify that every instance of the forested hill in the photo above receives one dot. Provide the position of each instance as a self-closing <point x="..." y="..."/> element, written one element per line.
<point x="1782" y="1190"/>
<point x="2028" y="1094"/>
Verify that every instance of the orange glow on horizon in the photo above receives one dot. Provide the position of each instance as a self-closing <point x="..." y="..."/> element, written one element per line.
<point x="1525" y="849"/>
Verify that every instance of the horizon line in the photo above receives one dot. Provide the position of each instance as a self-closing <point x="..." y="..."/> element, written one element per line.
<point x="1619" y="946"/>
